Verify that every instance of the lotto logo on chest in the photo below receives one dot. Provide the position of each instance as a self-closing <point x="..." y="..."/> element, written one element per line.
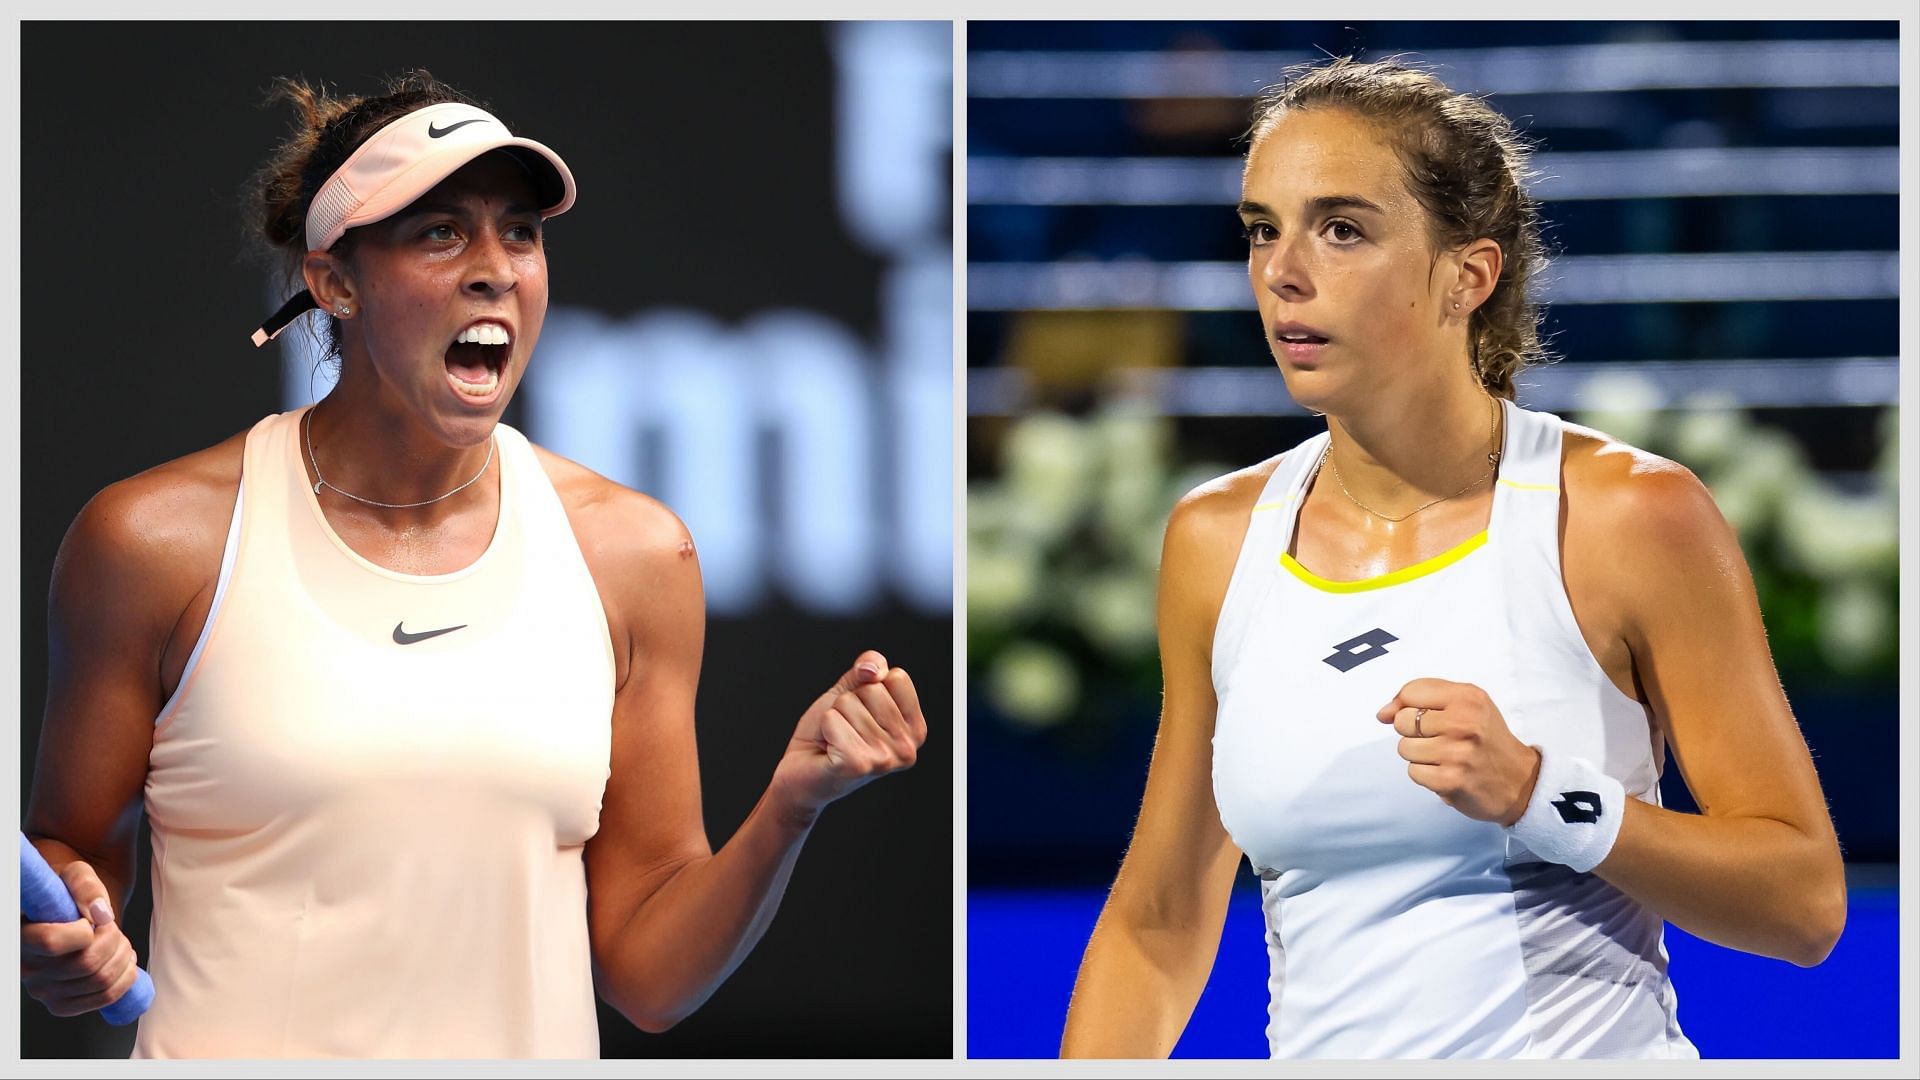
<point x="1354" y="651"/>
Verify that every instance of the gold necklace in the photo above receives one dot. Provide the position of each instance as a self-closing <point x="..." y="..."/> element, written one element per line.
<point x="1493" y="463"/>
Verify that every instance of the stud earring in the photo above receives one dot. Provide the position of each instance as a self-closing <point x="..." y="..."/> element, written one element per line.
<point x="343" y="309"/>
<point x="1456" y="307"/>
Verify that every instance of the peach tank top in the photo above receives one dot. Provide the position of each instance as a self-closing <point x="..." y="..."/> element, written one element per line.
<point x="371" y="793"/>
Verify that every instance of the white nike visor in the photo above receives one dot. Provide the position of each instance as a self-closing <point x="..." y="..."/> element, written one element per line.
<point x="403" y="161"/>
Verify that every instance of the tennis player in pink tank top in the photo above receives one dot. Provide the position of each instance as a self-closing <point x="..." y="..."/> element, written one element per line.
<point x="437" y="838"/>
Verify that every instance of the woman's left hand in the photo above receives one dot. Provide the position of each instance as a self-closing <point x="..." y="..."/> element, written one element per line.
<point x="1457" y="746"/>
<point x="867" y="725"/>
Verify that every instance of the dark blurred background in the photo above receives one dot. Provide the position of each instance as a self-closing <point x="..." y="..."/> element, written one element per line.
<point x="751" y="319"/>
<point x="1722" y="200"/>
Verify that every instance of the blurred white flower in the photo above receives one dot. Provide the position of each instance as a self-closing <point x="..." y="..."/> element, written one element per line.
<point x="986" y="509"/>
<point x="1750" y="486"/>
<point x="1831" y="534"/>
<point x="1708" y="431"/>
<point x="1856" y="620"/>
<point x="1622" y="404"/>
<point x="1003" y="580"/>
<point x="1745" y="503"/>
<point x="1132" y="443"/>
<point x="1116" y="611"/>
<point x="1129" y="501"/>
<point x="1133" y="435"/>
<point x="1145" y="543"/>
<point x="1048" y="464"/>
<point x="1034" y="685"/>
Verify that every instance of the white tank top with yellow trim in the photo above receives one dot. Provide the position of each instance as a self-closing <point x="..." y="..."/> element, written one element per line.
<point x="1396" y="926"/>
<point x="371" y="794"/>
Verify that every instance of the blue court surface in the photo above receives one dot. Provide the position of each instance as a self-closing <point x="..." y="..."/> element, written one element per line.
<point x="1024" y="946"/>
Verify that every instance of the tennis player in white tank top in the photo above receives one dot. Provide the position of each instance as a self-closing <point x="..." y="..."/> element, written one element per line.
<point x="1422" y="671"/>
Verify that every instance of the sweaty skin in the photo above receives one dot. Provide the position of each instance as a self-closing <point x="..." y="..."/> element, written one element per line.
<point x="1677" y="627"/>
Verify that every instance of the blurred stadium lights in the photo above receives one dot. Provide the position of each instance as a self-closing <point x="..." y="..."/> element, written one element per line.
<point x="1259" y="391"/>
<point x="1625" y="174"/>
<point x="1571" y="279"/>
<point x="1562" y="69"/>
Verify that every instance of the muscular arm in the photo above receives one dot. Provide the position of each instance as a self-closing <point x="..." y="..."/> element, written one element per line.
<point x="131" y="586"/>
<point x="131" y="583"/>
<point x="103" y="689"/>
<point x="1759" y="869"/>
<point x="1157" y="935"/>
<point x="670" y="918"/>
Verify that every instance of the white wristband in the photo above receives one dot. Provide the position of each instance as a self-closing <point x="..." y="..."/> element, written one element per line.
<point x="1574" y="815"/>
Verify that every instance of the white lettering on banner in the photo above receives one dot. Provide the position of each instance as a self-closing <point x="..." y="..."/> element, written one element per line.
<point x="920" y="386"/>
<point x="894" y="135"/>
<point x="893" y="132"/>
<point x="678" y="406"/>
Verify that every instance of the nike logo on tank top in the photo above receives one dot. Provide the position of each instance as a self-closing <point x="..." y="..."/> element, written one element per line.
<point x="1395" y="925"/>
<point x="366" y="848"/>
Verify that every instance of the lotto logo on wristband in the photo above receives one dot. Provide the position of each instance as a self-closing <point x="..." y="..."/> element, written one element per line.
<point x="1578" y="807"/>
<point x="1584" y="793"/>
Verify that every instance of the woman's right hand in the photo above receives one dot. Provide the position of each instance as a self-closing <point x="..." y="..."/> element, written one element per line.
<point x="80" y="966"/>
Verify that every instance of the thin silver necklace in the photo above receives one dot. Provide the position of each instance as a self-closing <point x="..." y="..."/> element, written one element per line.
<point x="1493" y="462"/>
<point x="321" y="481"/>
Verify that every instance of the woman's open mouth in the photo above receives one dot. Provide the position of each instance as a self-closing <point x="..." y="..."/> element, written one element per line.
<point x="476" y="358"/>
<point x="1299" y="343"/>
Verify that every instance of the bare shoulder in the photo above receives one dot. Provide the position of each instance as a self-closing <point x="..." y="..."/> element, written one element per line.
<point x="1204" y="535"/>
<point x="615" y="524"/>
<point x="1213" y="516"/>
<point x="165" y="526"/>
<point x="137" y="569"/>
<point x="642" y="561"/>
<point x="1643" y="544"/>
<point x="1617" y="493"/>
<point x="1641" y="541"/>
